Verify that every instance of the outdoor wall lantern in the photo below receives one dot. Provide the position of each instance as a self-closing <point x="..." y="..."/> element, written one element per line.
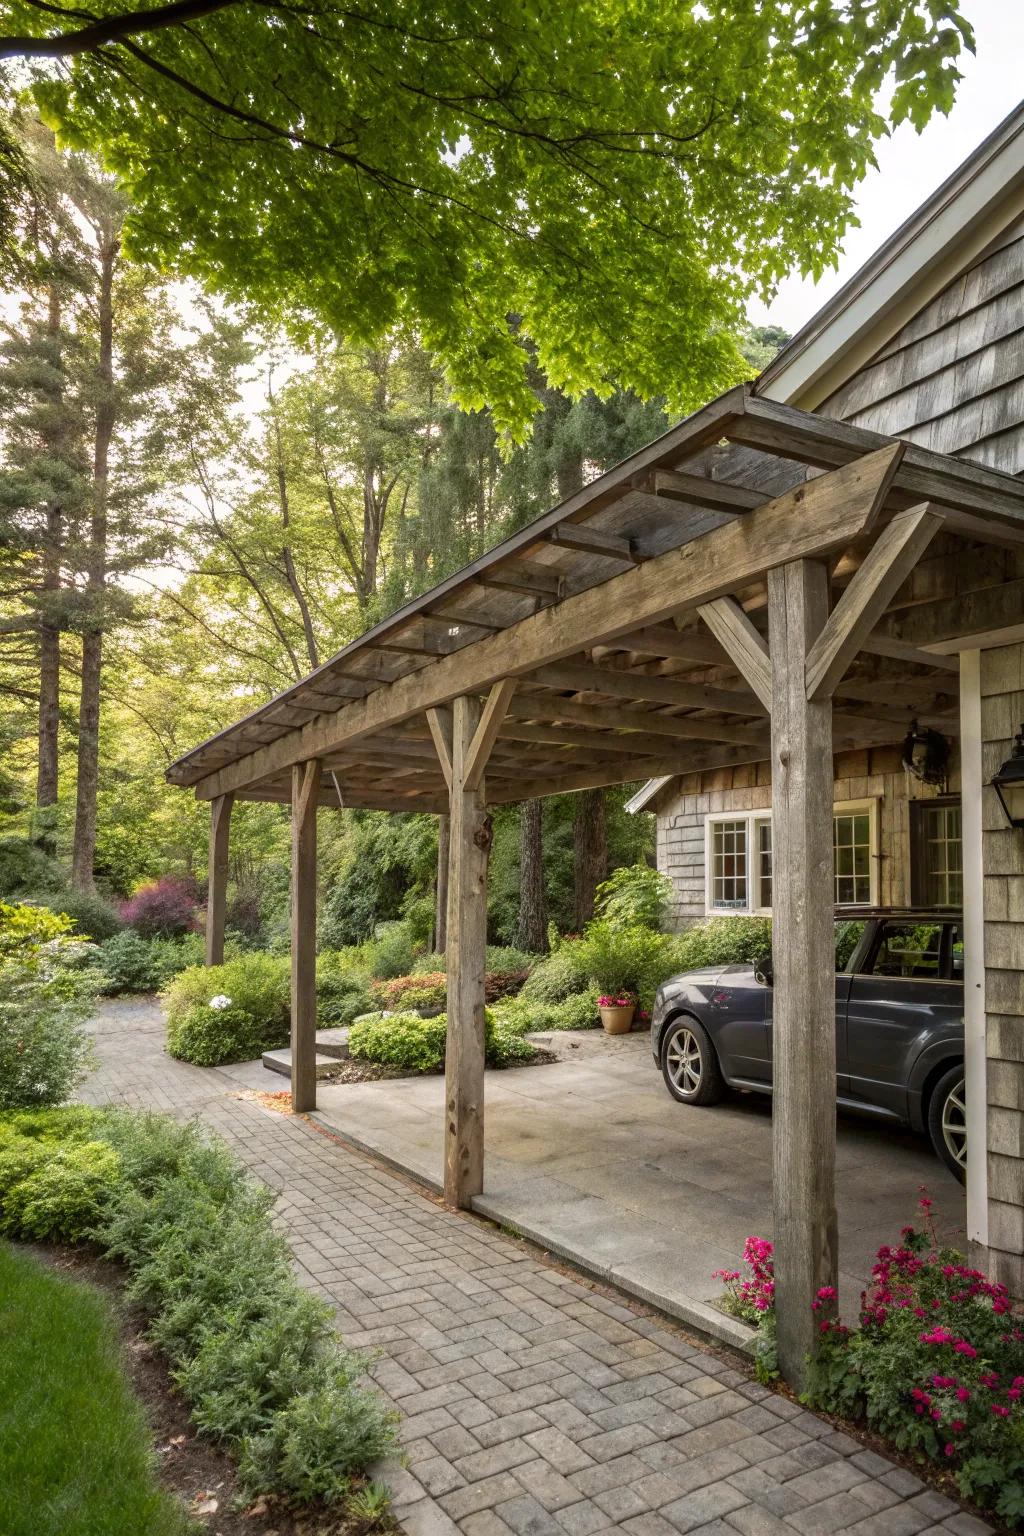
<point x="926" y="754"/>
<point x="1008" y="783"/>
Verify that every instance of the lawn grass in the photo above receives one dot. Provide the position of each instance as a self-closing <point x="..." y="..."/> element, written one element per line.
<point x="75" y="1455"/>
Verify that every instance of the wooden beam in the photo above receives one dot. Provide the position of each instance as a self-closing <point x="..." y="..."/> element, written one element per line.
<point x="666" y="640"/>
<point x="217" y="877"/>
<point x="486" y="732"/>
<point x="635" y="744"/>
<point x="748" y="649"/>
<point x="523" y="576"/>
<point x="637" y="686"/>
<point x="697" y="491"/>
<point x="878" y="644"/>
<point x="597" y="775"/>
<point x="470" y="841"/>
<point x="595" y="541"/>
<point x="803" y="995"/>
<point x="967" y="617"/>
<point x="816" y="518"/>
<point x="543" y="706"/>
<point x="440" y="722"/>
<point x="305" y="796"/>
<point x="884" y="569"/>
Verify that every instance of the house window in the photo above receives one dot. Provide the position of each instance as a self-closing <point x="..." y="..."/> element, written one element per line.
<point x="739" y="859"/>
<point x="851" y="855"/>
<point x="936" y="853"/>
<point x="729" y="866"/>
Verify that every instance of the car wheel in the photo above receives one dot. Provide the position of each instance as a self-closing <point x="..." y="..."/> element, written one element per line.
<point x="689" y="1064"/>
<point x="947" y="1122"/>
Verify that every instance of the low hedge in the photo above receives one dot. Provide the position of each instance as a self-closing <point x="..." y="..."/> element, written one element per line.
<point x="417" y="1045"/>
<point x="230" y="1012"/>
<point x="429" y="989"/>
<point x="254" y="1354"/>
<point x="577" y="1011"/>
<point x="132" y="964"/>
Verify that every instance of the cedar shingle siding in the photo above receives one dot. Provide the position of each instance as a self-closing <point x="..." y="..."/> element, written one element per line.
<point x="953" y="378"/>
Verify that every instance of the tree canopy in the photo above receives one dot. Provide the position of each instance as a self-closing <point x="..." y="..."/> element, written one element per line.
<point x="608" y="181"/>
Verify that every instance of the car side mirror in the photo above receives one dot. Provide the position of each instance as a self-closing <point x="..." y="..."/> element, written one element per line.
<point x="763" y="972"/>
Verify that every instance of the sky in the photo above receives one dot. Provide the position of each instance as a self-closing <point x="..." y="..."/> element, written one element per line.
<point x="911" y="166"/>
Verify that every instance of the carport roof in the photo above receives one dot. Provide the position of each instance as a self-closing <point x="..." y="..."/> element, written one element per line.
<point x="624" y="700"/>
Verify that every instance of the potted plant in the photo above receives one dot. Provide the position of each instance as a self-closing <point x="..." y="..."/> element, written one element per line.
<point x="616" y="1013"/>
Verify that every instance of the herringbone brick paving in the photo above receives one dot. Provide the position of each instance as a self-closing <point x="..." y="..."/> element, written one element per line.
<point x="533" y="1404"/>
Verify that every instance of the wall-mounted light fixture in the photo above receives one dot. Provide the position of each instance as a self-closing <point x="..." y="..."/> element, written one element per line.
<point x="1008" y="783"/>
<point x="926" y="754"/>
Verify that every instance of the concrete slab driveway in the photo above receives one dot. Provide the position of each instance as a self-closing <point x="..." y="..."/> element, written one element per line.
<point x="590" y="1157"/>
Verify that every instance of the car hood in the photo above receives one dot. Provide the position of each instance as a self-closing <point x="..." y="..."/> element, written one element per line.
<point x="707" y="976"/>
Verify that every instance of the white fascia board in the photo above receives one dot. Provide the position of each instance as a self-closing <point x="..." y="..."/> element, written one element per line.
<point x="643" y="797"/>
<point x="948" y="233"/>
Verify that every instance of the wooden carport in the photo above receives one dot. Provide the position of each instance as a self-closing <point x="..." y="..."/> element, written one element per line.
<point x="758" y="584"/>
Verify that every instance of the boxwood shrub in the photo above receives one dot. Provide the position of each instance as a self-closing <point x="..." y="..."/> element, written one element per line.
<point x="230" y="1012"/>
<point x="417" y="1045"/>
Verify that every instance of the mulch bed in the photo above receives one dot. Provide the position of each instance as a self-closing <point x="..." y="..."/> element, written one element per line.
<point x="202" y="1476"/>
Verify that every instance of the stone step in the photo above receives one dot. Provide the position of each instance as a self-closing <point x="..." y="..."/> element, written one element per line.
<point x="333" y="1042"/>
<point x="281" y="1061"/>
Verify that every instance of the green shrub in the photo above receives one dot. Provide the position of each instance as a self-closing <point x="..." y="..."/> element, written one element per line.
<point x="130" y="963"/>
<point x="390" y="952"/>
<point x="424" y="990"/>
<point x="523" y="1014"/>
<point x="634" y="894"/>
<point x="400" y="1040"/>
<point x="61" y="1195"/>
<point x="229" y="1012"/>
<point x="318" y="1440"/>
<point x="342" y="989"/>
<point x="46" y="994"/>
<point x="55" y="1177"/>
<point x="559" y="975"/>
<point x="501" y="958"/>
<point x="721" y="941"/>
<point x="417" y="1045"/>
<point x="24" y="866"/>
<point x="93" y="917"/>
<point x="629" y="961"/>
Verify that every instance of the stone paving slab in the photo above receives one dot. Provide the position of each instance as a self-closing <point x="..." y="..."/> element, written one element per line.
<point x="532" y="1403"/>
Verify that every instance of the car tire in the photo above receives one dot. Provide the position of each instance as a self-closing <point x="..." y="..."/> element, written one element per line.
<point x="947" y="1122"/>
<point x="689" y="1064"/>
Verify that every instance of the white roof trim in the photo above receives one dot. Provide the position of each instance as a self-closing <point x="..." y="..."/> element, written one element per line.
<point x="643" y="797"/>
<point x="949" y="231"/>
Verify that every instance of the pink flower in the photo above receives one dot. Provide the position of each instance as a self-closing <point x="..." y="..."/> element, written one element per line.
<point x="950" y="1450"/>
<point x="963" y="1395"/>
<point x="1004" y="1413"/>
<point x="963" y="1348"/>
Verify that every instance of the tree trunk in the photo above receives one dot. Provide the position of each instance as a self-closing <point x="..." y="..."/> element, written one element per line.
<point x="444" y="828"/>
<point x="84" y="850"/>
<point x="49" y="636"/>
<point x="532" y="930"/>
<point x="590" y="847"/>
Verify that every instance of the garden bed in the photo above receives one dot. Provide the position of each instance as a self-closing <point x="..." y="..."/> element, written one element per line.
<point x="188" y="1466"/>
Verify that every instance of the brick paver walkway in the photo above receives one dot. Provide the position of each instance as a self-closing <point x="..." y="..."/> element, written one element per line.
<point x="533" y="1404"/>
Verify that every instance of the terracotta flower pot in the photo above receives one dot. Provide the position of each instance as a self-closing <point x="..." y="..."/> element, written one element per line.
<point x="618" y="1021"/>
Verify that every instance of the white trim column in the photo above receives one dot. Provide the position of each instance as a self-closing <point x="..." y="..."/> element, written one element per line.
<point x="975" y="1048"/>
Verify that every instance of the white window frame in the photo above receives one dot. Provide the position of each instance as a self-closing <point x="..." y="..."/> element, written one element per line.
<point x="752" y="819"/>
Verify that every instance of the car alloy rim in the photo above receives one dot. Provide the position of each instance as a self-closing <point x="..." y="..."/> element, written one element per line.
<point x="954" y="1124"/>
<point x="683" y="1061"/>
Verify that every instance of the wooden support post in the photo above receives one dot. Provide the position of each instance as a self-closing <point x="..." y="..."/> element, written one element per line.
<point x="217" y="878"/>
<point x="803" y="1003"/>
<point x="305" y="795"/>
<point x="467" y="943"/>
<point x="464" y="734"/>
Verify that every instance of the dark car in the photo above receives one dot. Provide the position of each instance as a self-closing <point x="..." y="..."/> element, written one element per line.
<point x="899" y="1026"/>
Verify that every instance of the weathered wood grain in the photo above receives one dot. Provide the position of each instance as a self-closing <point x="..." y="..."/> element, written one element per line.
<point x="305" y="794"/>
<point x="217" y="879"/>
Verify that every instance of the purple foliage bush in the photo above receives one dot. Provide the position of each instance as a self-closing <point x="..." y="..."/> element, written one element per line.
<point x="164" y="909"/>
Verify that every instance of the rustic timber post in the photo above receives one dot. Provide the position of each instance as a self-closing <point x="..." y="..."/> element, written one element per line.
<point x="811" y="649"/>
<point x="464" y="735"/>
<point x="803" y="949"/>
<point x="217" y="878"/>
<point x="305" y="796"/>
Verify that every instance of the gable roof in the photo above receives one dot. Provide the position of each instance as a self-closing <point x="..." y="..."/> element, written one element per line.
<point x="965" y="216"/>
<point x="950" y="230"/>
